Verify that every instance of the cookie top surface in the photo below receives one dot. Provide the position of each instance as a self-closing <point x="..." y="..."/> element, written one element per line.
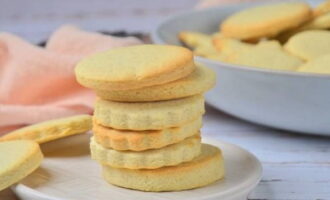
<point x="51" y="129"/>
<point x="309" y="45"/>
<point x="17" y="159"/>
<point x="265" y="54"/>
<point x="266" y="20"/>
<point x="134" y="67"/>
<point x="318" y="65"/>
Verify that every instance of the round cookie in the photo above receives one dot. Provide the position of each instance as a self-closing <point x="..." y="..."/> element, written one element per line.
<point x="148" y="115"/>
<point x="265" y="54"/>
<point x="266" y="20"/>
<point x="174" y="154"/>
<point x="205" y="169"/>
<point x="322" y="8"/>
<point x="198" y="82"/>
<point x="134" y="67"/>
<point x="309" y="45"/>
<point x="319" y="65"/>
<point x="18" y="159"/>
<point x="52" y="130"/>
<point x="122" y="140"/>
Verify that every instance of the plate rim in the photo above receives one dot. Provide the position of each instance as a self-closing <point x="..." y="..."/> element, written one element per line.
<point x="244" y="187"/>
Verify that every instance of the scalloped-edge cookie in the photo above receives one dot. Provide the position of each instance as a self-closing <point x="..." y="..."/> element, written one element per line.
<point x="142" y="140"/>
<point x="173" y="154"/>
<point x="134" y="67"/>
<point x="205" y="169"/>
<point x="52" y="130"/>
<point x="148" y="115"/>
<point x="266" y="20"/>
<point x="198" y="82"/>
<point x="17" y="160"/>
<point x="310" y="44"/>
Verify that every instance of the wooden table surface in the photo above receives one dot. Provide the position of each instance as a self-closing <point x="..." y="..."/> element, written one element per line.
<point x="296" y="167"/>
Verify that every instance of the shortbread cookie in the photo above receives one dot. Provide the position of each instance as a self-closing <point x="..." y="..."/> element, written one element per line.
<point x="309" y="45"/>
<point x="174" y="154"/>
<point x="52" y="130"/>
<point x="321" y="22"/>
<point x="207" y="168"/>
<point x="17" y="160"/>
<point x="142" y="140"/>
<point x="135" y="67"/>
<point x="265" y="54"/>
<point x="200" y="43"/>
<point x="198" y="82"/>
<point x="322" y="9"/>
<point x="319" y="65"/>
<point x="269" y="58"/>
<point x="149" y="115"/>
<point x="265" y="21"/>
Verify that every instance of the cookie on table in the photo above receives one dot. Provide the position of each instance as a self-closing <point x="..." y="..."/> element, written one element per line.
<point x="322" y="8"/>
<point x="319" y="65"/>
<point x="123" y="140"/>
<point x="135" y="67"/>
<point x="198" y="82"/>
<point x="18" y="159"/>
<point x="52" y="130"/>
<point x="148" y="115"/>
<point x="205" y="169"/>
<point x="310" y="44"/>
<point x="266" y="20"/>
<point x="173" y="154"/>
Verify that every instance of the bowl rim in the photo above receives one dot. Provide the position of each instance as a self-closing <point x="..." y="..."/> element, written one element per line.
<point x="156" y="38"/>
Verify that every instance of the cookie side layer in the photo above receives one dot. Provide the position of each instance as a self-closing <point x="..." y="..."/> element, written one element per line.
<point x="143" y="140"/>
<point x="174" y="154"/>
<point x="198" y="82"/>
<point x="148" y="116"/>
<point x="205" y="169"/>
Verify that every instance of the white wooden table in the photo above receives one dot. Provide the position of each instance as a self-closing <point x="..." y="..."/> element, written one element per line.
<point x="296" y="167"/>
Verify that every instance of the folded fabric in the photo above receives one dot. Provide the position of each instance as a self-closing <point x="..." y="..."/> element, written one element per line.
<point x="38" y="84"/>
<point x="210" y="3"/>
<point x="73" y="41"/>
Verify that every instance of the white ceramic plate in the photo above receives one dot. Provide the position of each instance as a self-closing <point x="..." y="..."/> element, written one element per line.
<point x="68" y="173"/>
<point x="280" y="99"/>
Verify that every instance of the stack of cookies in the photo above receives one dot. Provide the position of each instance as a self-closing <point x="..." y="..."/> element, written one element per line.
<point x="148" y="117"/>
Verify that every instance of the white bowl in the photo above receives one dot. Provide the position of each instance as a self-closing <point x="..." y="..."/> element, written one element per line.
<point x="285" y="100"/>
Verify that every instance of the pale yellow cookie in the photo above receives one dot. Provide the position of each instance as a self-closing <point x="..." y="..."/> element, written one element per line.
<point x="319" y="65"/>
<point x="52" y="129"/>
<point x="198" y="82"/>
<point x="143" y="140"/>
<point x="266" y="20"/>
<point x="173" y="154"/>
<point x="322" y="9"/>
<point x="205" y="169"/>
<point x="17" y="160"/>
<point x="309" y="45"/>
<point x="320" y="22"/>
<point x="148" y="115"/>
<point x="265" y="54"/>
<point x="266" y="57"/>
<point x="135" y="67"/>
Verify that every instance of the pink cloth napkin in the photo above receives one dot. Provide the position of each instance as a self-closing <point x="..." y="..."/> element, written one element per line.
<point x="209" y="3"/>
<point x="38" y="84"/>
